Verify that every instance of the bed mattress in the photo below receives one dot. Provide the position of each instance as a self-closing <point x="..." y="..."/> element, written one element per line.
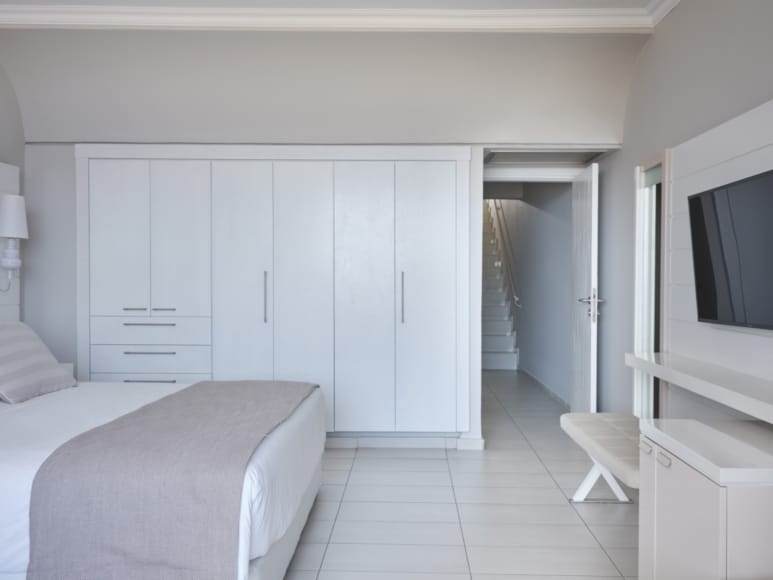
<point x="274" y="484"/>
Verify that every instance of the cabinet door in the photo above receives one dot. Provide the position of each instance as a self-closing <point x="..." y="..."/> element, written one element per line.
<point x="364" y="296"/>
<point x="242" y="270"/>
<point x="119" y="237"/>
<point x="690" y="523"/>
<point x="303" y="274"/>
<point x="647" y="483"/>
<point x="180" y="235"/>
<point x="425" y="209"/>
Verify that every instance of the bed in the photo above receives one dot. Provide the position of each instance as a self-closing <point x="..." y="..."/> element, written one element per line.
<point x="278" y="491"/>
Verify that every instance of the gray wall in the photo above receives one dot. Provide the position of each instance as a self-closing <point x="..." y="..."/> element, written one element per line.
<point x="707" y="62"/>
<point x="48" y="303"/>
<point x="250" y="87"/>
<point x="540" y="226"/>
<point x="11" y="129"/>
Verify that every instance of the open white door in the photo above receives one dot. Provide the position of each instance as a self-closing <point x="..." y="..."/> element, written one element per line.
<point x="585" y="225"/>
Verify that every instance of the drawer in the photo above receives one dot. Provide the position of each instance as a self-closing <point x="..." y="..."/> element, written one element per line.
<point x="149" y="358"/>
<point x="175" y="378"/>
<point x="135" y="330"/>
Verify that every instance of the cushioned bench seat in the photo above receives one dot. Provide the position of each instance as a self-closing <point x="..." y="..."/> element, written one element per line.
<point x="612" y="442"/>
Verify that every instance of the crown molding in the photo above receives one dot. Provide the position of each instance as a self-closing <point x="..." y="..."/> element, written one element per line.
<point x="659" y="9"/>
<point x="628" y="20"/>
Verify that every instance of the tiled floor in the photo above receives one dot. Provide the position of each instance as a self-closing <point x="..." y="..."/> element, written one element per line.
<point x="498" y="514"/>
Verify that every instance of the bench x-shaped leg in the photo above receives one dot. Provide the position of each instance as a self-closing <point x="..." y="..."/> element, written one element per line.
<point x="590" y="480"/>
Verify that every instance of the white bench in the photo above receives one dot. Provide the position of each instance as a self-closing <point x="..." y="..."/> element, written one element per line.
<point x="612" y="442"/>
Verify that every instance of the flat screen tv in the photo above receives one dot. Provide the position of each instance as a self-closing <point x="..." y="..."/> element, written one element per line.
<point x="732" y="248"/>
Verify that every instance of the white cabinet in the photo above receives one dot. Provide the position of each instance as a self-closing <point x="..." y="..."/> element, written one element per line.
<point x="242" y="270"/>
<point x="119" y="237"/>
<point x="303" y="274"/>
<point x="149" y="267"/>
<point x="688" y="521"/>
<point x="425" y="210"/>
<point x="180" y="238"/>
<point x="706" y="500"/>
<point x="364" y="296"/>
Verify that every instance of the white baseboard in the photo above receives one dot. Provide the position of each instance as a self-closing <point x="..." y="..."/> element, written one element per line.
<point x="470" y="444"/>
<point x="353" y="441"/>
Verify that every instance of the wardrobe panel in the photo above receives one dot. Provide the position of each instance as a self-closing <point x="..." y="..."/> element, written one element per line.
<point x="242" y="270"/>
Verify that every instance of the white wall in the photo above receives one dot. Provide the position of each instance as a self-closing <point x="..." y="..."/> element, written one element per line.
<point x="540" y="227"/>
<point x="48" y="304"/>
<point x="11" y="129"/>
<point x="251" y="87"/>
<point x="708" y="61"/>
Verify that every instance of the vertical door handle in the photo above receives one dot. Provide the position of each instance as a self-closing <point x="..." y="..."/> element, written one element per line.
<point x="402" y="297"/>
<point x="265" y="296"/>
<point x="663" y="459"/>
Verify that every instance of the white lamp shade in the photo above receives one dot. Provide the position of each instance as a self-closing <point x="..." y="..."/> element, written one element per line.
<point x="13" y="217"/>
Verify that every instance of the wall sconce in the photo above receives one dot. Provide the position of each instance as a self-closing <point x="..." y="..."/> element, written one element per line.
<point x="13" y="227"/>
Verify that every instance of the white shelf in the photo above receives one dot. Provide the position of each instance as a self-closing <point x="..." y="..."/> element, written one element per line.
<point x="746" y="393"/>
<point x="727" y="452"/>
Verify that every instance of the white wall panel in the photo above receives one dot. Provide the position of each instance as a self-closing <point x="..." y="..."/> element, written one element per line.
<point x="303" y="275"/>
<point x="426" y="289"/>
<point x="365" y="296"/>
<point x="242" y="249"/>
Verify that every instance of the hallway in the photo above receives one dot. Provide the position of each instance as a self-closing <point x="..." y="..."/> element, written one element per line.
<point x="498" y="514"/>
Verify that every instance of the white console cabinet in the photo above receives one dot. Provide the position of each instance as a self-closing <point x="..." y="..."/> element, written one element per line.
<point x="706" y="500"/>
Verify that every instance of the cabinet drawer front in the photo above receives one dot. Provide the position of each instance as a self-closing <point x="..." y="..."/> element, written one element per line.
<point x="130" y="378"/>
<point x="156" y="330"/>
<point x="144" y="358"/>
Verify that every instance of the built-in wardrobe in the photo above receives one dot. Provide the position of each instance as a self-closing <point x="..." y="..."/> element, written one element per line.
<point x="342" y="266"/>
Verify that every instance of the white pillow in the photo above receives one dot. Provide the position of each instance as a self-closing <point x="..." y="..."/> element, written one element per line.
<point x="27" y="367"/>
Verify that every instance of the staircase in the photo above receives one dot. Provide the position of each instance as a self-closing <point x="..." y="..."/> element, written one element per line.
<point x="500" y="351"/>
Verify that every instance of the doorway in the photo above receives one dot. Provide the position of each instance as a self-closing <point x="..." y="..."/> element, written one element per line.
<point x="537" y="204"/>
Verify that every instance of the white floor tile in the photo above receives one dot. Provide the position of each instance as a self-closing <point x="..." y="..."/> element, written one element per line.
<point x="301" y="575"/>
<point x="579" y="561"/>
<point x="626" y="560"/>
<point x="528" y="536"/>
<point x="503" y="480"/>
<point x="324" y="510"/>
<point x="392" y="464"/>
<point x="329" y="492"/>
<point x="335" y="477"/>
<point x="400" y="478"/>
<point x="518" y="514"/>
<point x="388" y="558"/>
<point x="525" y="466"/>
<point x="540" y="577"/>
<point x="317" y="532"/>
<point x="404" y="493"/>
<point x="397" y="512"/>
<point x="510" y="495"/>
<point x="418" y="533"/>
<point x="616" y="536"/>
<point x="608" y="514"/>
<point x="337" y="463"/>
<point x="407" y="453"/>
<point x="308" y="557"/>
<point x="328" y="575"/>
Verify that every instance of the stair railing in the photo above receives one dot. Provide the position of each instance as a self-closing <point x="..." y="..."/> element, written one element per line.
<point x="503" y="239"/>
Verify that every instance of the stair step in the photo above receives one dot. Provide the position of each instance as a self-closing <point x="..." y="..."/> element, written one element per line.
<point x="495" y="299"/>
<point x="499" y="342"/>
<point x="493" y="326"/>
<point x="499" y="312"/>
<point x="500" y="361"/>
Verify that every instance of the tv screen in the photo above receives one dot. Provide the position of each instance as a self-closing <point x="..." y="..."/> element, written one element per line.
<point x="732" y="248"/>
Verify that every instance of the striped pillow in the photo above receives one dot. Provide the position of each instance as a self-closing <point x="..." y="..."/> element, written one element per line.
<point x="27" y="367"/>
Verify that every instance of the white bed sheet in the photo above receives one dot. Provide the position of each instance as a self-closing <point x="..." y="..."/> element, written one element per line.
<point x="276" y="478"/>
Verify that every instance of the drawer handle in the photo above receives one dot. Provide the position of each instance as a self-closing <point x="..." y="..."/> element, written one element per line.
<point x="664" y="459"/>
<point x="645" y="447"/>
<point x="164" y="309"/>
<point x="150" y="324"/>
<point x="134" y="309"/>
<point x="170" y="381"/>
<point x="134" y="352"/>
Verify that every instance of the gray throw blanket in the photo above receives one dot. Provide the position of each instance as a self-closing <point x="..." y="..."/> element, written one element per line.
<point x="156" y="493"/>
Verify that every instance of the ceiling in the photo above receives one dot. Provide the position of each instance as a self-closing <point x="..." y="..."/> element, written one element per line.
<point x="602" y="16"/>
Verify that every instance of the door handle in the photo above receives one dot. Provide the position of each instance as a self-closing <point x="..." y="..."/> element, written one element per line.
<point x="170" y="381"/>
<point x="585" y="300"/>
<point x="140" y="352"/>
<point x="645" y="447"/>
<point x="134" y="309"/>
<point x="164" y="309"/>
<point x="150" y="324"/>
<point x="664" y="459"/>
